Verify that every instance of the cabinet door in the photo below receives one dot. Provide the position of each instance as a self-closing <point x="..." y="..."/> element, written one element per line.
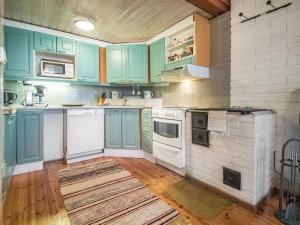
<point x="157" y="59"/>
<point x="130" y="129"/>
<point x="116" y="63"/>
<point x="18" y="45"/>
<point x="29" y="136"/>
<point x="138" y="63"/>
<point x="44" y="42"/>
<point x="87" y="63"/>
<point x="66" y="46"/>
<point x="10" y="141"/>
<point x="113" y="128"/>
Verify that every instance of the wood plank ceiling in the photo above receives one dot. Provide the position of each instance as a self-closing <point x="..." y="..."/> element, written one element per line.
<point x="117" y="21"/>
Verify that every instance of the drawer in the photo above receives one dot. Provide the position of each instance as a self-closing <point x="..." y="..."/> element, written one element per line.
<point x="147" y="113"/>
<point x="168" y="154"/>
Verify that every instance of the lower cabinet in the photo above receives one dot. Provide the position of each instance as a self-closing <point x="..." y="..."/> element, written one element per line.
<point x="147" y="129"/>
<point x="29" y="136"/>
<point x="122" y="130"/>
<point x="113" y="131"/>
<point x="10" y="149"/>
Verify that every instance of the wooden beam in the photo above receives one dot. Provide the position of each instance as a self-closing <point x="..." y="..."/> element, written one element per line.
<point x="213" y="7"/>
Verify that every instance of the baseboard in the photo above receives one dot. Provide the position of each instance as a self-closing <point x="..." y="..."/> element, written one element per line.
<point x="124" y="153"/>
<point x="28" y="167"/>
<point x="82" y="158"/>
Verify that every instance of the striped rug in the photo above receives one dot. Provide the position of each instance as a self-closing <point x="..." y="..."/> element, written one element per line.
<point x="105" y="193"/>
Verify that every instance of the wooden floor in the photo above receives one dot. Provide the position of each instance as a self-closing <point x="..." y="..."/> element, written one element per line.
<point x="34" y="198"/>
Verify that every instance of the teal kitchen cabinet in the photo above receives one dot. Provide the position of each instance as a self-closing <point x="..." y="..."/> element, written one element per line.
<point x="127" y="63"/>
<point x="44" y="42"/>
<point x="122" y="129"/>
<point x="130" y="129"/>
<point x="29" y="136"/>
<point x="18" y="44"/>
<point x="87" y="62"/>
<point x="113" y="132"/>
<point x="10" y="149"/>
<point x="116" y="63"/>
<point x="138" y="63"/>
<point x="157" y="59"/>
<point x="147" y="130"/>
<point x="66" y="46"/>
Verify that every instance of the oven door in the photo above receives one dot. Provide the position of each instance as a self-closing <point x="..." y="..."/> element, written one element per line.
<point x="167" y="132"/>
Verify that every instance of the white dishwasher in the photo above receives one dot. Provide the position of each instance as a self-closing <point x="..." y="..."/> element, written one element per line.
<point x="83" y="134"/>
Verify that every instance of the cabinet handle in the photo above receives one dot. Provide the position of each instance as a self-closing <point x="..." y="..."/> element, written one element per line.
<point x="48" y="49"/>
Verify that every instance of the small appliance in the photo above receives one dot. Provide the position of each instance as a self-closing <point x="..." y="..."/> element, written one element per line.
<point x="40" y="94"/>
<point x="10" y="97"/>
<point x="51" y="68"/>
<point x="148" y="94"/>
<point x="115" y="95"/>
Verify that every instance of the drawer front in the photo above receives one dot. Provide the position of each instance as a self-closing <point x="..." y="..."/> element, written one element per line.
<point x="199" y="120"/>
<point x="147" y="113"/>
<point x="168" y="154"/>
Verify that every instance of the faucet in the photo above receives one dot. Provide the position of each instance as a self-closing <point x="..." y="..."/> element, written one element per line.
<point x="124" y="100"/>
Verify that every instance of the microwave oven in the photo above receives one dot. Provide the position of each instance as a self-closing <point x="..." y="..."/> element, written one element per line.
<point x="57" y="69"/>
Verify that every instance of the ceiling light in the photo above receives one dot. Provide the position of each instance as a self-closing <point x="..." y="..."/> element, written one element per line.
<point x="84" y="24"/>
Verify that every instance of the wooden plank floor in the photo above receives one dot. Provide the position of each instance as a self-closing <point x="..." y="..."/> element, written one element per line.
<point x="34" y="198"/>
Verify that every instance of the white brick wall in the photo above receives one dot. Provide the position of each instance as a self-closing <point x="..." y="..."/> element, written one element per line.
<point x="265" y="63"/>
<point x="246" y="147"/>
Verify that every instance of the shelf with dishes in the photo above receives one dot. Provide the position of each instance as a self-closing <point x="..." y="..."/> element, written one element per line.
<point x="180" y="44"/>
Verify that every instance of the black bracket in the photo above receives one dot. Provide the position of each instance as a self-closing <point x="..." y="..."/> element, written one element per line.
<point x="269" y="2"/>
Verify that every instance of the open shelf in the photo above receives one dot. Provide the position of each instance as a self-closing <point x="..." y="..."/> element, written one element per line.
<point x="182" y="44"/>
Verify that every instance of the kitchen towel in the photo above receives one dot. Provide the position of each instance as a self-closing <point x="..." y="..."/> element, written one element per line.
<point x="217" y="121"/>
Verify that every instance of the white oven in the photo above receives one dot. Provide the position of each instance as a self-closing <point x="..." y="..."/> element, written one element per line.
<point x="169" y="137"/>
<point x="50" y="68"/>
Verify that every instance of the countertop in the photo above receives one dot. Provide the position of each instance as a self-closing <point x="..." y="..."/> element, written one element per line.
<point x="13" y="108"/>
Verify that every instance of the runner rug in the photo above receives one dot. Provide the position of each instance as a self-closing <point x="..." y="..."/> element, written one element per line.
<point x="105" y="193"/>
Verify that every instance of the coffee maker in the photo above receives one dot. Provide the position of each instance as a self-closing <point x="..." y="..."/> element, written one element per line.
<point x="40" y="89"/>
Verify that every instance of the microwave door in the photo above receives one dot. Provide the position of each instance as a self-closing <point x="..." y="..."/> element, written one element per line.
<point x="54" y="68"/>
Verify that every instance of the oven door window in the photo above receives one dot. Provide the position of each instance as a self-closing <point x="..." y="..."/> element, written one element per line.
<point x="169" y="130"/>
<point x="54" y="68"/>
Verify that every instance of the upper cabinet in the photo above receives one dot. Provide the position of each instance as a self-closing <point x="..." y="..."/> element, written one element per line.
<point x="44" y="42"/>
<point x="157" y="59"/>
<point x="18" y="44"/>
<point x="116" y="63"/>
<point x="138" y="63"/>
<point x="66" y="46"/>
<point x="87" y="63"/>
<point x="51" y="43"/>
<point x="127" y="63"/>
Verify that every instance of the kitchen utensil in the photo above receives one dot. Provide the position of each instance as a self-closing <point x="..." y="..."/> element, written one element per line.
<point x="138" y="92"/>
<point x="10" y="97"/>
<point x="133" y="91"/>
<point x="102" y="98"/>
<point x="148" y="94"/>
<point x="115" y="95"/>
